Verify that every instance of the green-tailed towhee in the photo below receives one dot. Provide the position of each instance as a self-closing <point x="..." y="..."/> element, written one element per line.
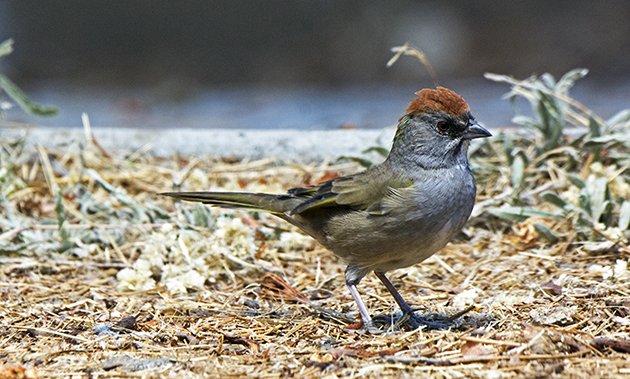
<point x="394" y="214"/>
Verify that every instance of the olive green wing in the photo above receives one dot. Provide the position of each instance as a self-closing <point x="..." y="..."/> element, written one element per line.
<point x="370" y="190"/>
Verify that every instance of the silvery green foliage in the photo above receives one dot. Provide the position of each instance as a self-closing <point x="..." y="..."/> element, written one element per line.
<point x="593" y="154"/>
<point x="548" y="100"/>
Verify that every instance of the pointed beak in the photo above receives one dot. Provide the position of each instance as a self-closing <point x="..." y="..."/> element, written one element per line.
<point x="476" y="131"/>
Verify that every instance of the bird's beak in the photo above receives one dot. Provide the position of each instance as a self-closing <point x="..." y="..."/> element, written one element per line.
<point x="476" y="131"/>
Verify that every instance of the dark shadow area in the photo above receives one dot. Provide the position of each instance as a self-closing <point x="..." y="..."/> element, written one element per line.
<point x="196" y="63"/>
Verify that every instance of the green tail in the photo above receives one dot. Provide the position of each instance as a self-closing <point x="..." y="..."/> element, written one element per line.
<point x="276" y="204"/>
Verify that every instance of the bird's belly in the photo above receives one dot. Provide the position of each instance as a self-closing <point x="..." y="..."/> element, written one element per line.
<point x="398" y="240"/>
<point x="412" y="249"/>
<point x="390" y="246"/>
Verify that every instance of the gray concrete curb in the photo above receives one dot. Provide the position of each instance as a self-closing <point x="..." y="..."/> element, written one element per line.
<point x="301" y="146"/>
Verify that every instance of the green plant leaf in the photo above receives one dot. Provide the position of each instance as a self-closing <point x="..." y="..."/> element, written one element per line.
<point x="595" y="127"/>
<point x="518" y="171"/>
<point x="546" y="232"/>
<point x="609" y="139"/>
<point x="621" y="118"/>
<point x="520" y="213"/>
<point x="23" y="101"/>
<point x="568" y="80"/>
<point x="6" y="47"/>
<point x="597" y="193"/>
<point x="380" y="150"/>
<point x="201" y="216"/>
<point x="554" y="199"/>
<point x="119" y="194"/>
<point x="575" y="179"/>
<point x="548" y="80"/>
<point x="552" y="120"/>
<point x="624" y="215"/>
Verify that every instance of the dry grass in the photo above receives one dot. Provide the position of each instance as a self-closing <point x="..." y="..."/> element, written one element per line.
<point x="74" y="217"/>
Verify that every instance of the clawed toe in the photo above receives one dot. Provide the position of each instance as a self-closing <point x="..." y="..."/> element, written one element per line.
<point x="430" y="321"/>
<point x="411" y="321"/>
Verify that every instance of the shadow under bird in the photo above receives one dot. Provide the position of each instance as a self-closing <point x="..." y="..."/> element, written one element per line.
<point x="392" y="215"/>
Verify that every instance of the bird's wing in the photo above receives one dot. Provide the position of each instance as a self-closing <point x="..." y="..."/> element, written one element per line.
<point x="367" y="191"/>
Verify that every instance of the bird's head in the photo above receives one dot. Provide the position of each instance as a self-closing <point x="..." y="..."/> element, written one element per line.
<point x="436" y="129"/>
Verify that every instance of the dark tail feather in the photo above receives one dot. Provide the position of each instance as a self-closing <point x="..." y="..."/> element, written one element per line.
<point x="277" y="204"/>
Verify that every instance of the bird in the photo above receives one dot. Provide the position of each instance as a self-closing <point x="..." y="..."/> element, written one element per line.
<point x="394" y="214"/>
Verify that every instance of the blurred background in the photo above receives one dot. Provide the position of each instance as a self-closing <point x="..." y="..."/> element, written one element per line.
<point x="300" y="64"/>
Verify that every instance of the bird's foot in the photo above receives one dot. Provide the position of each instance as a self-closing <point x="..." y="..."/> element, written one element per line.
<point x="430" y="321"/>
<point x="410" y="320"/>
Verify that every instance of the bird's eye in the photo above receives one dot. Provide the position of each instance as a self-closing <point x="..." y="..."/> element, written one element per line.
<point x="442" y="126"/>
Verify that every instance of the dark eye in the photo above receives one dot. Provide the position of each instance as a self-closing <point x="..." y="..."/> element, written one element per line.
<point x="442" y="126"/>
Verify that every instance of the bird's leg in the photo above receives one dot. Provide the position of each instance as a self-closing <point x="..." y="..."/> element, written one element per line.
<point x="353" y="275"/>
<point x="365" y="315"/>
<point x="404" y="307"/>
